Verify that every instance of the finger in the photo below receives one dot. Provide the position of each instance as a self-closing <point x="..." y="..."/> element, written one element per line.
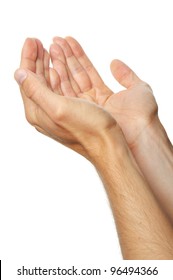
<point x="57" y="54"/>
<point x="85" y="62"/>
<point x="28" y="61"/>
<point x="78" y="72"/>
<point x="40" y="58"/>
<point x="55" y="81"/>
<point x="29" y="55"/>
<point x="46" y="60"/>
<point x="66" y="86"/>
<point x="30" y="84"/>
<point x="123" y="74"/>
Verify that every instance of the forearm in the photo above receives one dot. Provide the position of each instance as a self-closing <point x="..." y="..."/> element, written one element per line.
<point x="154" y="154"/>
<point x="144" y="231"/>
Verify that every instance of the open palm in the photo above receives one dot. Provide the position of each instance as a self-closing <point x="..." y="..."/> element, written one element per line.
<point x="133" y="108"/>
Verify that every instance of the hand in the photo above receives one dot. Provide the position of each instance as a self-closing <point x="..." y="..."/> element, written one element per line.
<point x="74" y="122"/>
<point x="134" y="108"/>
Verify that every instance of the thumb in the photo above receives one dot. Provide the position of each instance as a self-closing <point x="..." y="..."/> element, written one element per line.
<point x="33" y="87"/>
<point x="123" y="74"/>
<point x="29" y="83"/>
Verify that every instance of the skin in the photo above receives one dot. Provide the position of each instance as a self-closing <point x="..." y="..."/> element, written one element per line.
<point x="143" y="228"/>
<point x="134" y="109"/>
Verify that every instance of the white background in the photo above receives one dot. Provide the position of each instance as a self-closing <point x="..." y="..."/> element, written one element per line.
<point x="53" y="207"/>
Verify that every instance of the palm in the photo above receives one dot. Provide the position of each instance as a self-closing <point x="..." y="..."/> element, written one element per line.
<point x="132" y="108"/>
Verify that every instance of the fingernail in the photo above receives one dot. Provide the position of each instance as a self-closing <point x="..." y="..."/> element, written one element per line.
<point x="20" y="75"/>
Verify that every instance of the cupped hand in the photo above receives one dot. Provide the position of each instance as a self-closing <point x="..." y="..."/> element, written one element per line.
<point x="133" y="108"/>
<point x="74" y="122"/>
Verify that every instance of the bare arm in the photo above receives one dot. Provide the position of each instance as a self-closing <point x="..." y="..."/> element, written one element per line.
<point x="144" y="230"/>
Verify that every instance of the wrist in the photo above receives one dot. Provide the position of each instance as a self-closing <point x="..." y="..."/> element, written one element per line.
<point x="112" y="151"/>
<point x="154" y="154"/>
<point x="153" y="136"/>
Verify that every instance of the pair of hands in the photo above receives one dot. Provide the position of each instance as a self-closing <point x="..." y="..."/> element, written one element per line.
<point x="70" y="102"/>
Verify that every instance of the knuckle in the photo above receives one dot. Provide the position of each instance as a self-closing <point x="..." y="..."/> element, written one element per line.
<point x="30" y="117"/>
<point x="30" y="90"/>
<point x="147" y="86"/>
<point x="39" y="129"/>
<point x="77" y="69"/>
<point x="89" y="67"/>
<point x="58" y="116"/>
<point x="62" y="72"/>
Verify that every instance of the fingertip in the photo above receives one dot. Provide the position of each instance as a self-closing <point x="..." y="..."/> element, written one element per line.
<point x="70" y="38"/>
<point x="20" y="76"/>
<point x="29" y="39"/>
<point x="72" y="42"/>
<point x="56" y="39"/>
<point x="31" y="42"/>
<point x="29" y="54"/>
<point x="53" y="48"/>
<point x="123" y="73"/>
<point x="115" y="63"/>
